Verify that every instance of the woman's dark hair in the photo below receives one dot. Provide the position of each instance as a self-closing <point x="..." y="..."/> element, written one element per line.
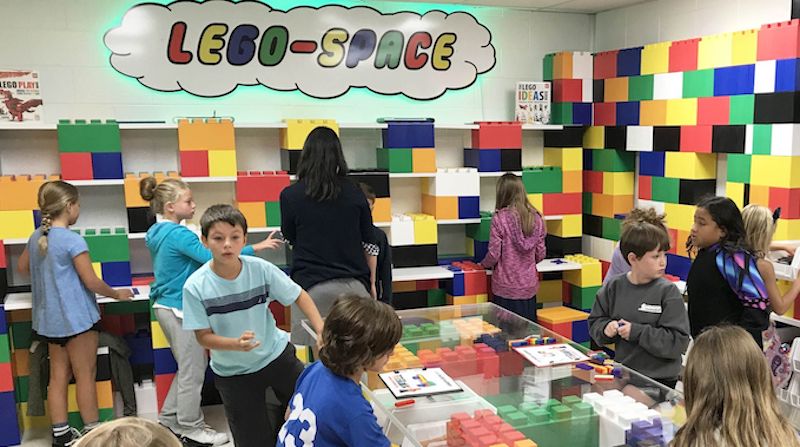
<point x="322" y="164"/>
<point x="728" y="217"/>
<point x="356" y="333"/>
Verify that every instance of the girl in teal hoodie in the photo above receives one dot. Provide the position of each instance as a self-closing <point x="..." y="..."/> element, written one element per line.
<point x="177" y="252"/>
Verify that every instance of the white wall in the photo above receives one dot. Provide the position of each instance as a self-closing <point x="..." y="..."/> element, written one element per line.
<point x="63" y="40"/>
<point x="664" y="20"/>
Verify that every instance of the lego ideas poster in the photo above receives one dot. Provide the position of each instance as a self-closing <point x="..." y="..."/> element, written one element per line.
<point x="533" y="103"/>
<point x="20" y="97"/>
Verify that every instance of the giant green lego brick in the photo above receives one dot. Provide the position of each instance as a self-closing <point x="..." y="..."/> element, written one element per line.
<point x="544" y="179"/>
<point x="698" y="84"/>
<point x="126" y="307"/>
<point x="436" y="297"/>
<point x="640" y="88"/>
<point x="20" y="334"/>
<point x="561" y="113"/>
<point x="553" y="422"/>
<point x="480" y="232"/>
<point x="611" y="228"/>
<point x="107" y="245"/>
<point x="5" y="349"/>
<point x="94" y="136"/>
<point x="273" y="214"/>
<point x="739" y="168"/>
<point x="762" y="139"/>
<point x="21" y="389"/>
<point x="612" y="160"/>
<point x="741" y="109"/>
<point x="547" y="67"/>
<point x="587" y="203"/>
<point x="583" y="297"/>
<point x="665" y="189"/>
<point x="395" y="160"/>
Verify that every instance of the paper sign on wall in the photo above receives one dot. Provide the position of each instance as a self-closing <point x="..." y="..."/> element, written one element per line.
<point x="210" y="48"/>
<point x="20" y="98"/>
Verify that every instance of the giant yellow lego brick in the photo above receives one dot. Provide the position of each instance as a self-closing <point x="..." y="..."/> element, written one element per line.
<point x="560" y="314"/>
<point x="735" y="192"/>
<point x="98" y="269"/>
<point x="679" y="217"/>
<point x="681" y="112"/>
<point x="20" y="192"/>
<point x="594" y="137"/>
<point x="131" y="184"/>
<point x="715" y="51"/>
<point x="690" y="165"/>
<point x="571" y="181"/>
<point x="382" y="210"/>
<point x="562" y="65"/>
<point x="423" y="160"/>
<point x="744" y="47"/>
<point x="550" y="291"/>
<point x="616" y="90"/>
<point x="159" y="339"/>
<point x="440" y="207"/>
<point x="105" y="396"/>
<point x="211" y="134"/>
<point x="774" y="170"/>
<point x="618" y="183"/>
<point x="254" y="212"/>
<point x="458" y="300"/>
<point x="302" y="353"/>
<point x="16" y="224"/>
<point x="655" y="58"/>
<point x="653" y="113"/>
<point x="788" y="229"/>
<point x="536" y="200"/>
<point x="222" y="163"/>
<point x="425" y="229"/>
<point x="294" y="135"/>
<point x="570" y="225"/>
<point x="569" y="158"/>
<point x="759" y="195"/>
<point x="31" y="422"/>
<point x="589" y="275"/>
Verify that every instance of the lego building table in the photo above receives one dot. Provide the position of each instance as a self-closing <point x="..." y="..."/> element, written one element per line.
<point x="506" y="400"/>
<point x="24" y="300"/>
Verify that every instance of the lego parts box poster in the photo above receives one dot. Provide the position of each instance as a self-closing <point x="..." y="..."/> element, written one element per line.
<point x="533" y="103"/>
<point x="20" y="98"/>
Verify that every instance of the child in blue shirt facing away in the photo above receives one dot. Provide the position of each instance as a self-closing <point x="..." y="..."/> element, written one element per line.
<point x="328" y="408"/>
<point x="177" y="252"/>
<point x="226" y="303"/>
<point x="65" y="311"/>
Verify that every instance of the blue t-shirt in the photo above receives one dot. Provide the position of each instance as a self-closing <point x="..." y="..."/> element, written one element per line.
<point x="230" y="307"/>
<point x="328" y="410"/>
<point x="62" y="305"/>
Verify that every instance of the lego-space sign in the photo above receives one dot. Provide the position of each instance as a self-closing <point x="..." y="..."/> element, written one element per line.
<point x="208" y="49"/>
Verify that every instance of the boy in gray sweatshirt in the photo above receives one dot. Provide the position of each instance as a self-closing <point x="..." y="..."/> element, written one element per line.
<point x="640" y="311"/>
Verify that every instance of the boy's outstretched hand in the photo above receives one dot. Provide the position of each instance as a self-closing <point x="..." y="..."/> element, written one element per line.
<point x="270" y="243"/>
<point x="247" y="341"/>
<point x="624" y="329"/>
<point x="612" y="329"/>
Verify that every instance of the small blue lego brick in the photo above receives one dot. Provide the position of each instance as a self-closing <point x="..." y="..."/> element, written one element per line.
<point x="518" y="343"/>
<point x="628" y="113"/>
<point x="116" y="274"/>
<point x="651" y="163"/>
<point x="485" y="160"/>
<point x="164" y="362"/>
<point x="584" y="367"/>
<point x="616" y="372"/>
<point x="107" y="165"/>
<point x="469" y="207"/>
<point x="736" y="80"/>
<point x="580" y="331"/>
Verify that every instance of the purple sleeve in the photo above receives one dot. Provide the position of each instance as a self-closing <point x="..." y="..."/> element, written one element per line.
<point x="541" y="229"/>
<point x="618" y="265"/>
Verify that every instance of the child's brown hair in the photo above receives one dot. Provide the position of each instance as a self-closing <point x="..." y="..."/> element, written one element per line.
<point x="643" y="230"/>
<point x="129" y="432"/>
<point x="511" y="193"/>
<point x="356" y="333"/>
<point x="54" y="198"/>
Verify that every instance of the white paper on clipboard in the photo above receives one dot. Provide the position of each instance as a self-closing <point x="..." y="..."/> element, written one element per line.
<point x="551" y="355"/>
<point x="416" y="382"/>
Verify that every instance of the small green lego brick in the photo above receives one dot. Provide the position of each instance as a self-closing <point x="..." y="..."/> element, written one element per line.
<point x="543" y="179"/>
<point x="665" y="189"/>
<point x="698" y="83"/>
<point x="640" y="88"/>
<point x="273" y="214"/>
<point x="762" y="139"/>
<point x="741" y="109"/>
<point x="395" y="160"/>
<point x="583" y="297"/>
<point x="739" y="168"/>
<point x="560" y="412"/>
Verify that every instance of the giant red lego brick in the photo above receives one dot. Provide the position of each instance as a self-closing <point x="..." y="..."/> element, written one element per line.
<point x="76" y="165"/>
<point x="787" y="199"/>
<point x="258" y="186"/>
<point x="605" y="113"/>
<point x="6" y="378"/>
<point x="194" y="163"/>
<point x="3" y="261"/>
<point x="683" y="55"/>
<point x="605" y="64"/>
<point x="713" y="110"/>
<point x="779" y="41"/>
<point x="568" y="90"/>
<point x="645" y="187"/>
<point x="562" y="203"/>
<point x="163" y="382"/>
<point x="696" y="139"/>
<point x="497" y="135"/>
<point x="593" y="181"/>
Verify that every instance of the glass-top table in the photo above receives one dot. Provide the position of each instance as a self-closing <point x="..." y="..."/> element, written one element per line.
<point x="507" y="400"/>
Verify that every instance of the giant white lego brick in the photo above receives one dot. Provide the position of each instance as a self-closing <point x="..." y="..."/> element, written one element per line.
<point x="459" y="182"/>
<point x="639" y="138"/>
<point x="402" y="230"/>
<point x="583" y="67"/>
<point x="785" y="140"/>
<point x="748" y="139"/>
<point x="668" y="85"/>
<point x="764" y="77"/>
<point x="658" y="206"/>
<point x="603" y="248"/>
<point x="587" y="91"/>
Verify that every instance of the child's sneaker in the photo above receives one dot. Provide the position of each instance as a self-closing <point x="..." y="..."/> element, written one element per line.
<point x="68" y="439"/>
<point x="204" y="436"/>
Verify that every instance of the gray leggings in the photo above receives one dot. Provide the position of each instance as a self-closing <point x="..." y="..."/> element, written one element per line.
<point x="324" y="295"/>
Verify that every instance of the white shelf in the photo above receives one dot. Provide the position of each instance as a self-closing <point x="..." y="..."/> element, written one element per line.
<point x="209" y="179"/>
<point x="15" y="241"/>
<point x="785" y="320"/>
<point x="21" y="301"/>
<point x="97" y="182"/>
<point x="263" y="229"/>
<point x="136" y="235"/>
<point x="412" y="174"/>
<point x="458" y="221"/>
<point x="273" y="125"/>
<point x="441" y="272"/>
<point x="542" y="127"/>
<point x="382" y="224"/>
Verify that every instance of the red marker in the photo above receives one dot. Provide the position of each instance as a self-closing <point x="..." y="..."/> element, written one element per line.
<point x="404" y="403"/>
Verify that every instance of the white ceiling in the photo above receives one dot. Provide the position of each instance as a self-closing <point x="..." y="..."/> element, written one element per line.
<point x="575" y="6"/>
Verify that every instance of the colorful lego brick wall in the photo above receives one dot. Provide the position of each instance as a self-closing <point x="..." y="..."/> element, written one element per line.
<point x="89" y="150"/>
<point x="19" y="208"/>
<point x="495" y="147"/>
<point x="452" y="193"/>
<point x="258" y="196"/>
<point x="573" y="91"/>
<point x="206" y="147"/>
<point x="407" y="146"/>
<point x="414" y="240"/>
<point x="110" y="254"/>
<point x="9" y="425"/>
<point x="140" y="216"/>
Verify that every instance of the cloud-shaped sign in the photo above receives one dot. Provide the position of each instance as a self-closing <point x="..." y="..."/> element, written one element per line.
<point x="209" y="48"/>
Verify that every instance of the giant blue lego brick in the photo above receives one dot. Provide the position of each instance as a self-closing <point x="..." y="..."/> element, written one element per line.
<point x="629" y="62"/>
<point x="116" y="274"/>
<point x="652" y="163"/>
<point x="582" y="113"/>
<point x="469" y="207"/>
<point x="678" y="265"/>
<point x="628" y="113"/>
<point x="456" y="286"/>
<point x="164" y="362"/>
<point x="107" y="165"/>
<point x="9" y="426"/>
<point x="479" y="248"/>
<point x="736" y="80"/>
<point x="408" y="135"/>
<point x="485" y="160"/>
<point x="3" y="325"/>
<point x="787" y="75"/>
<point x="141" y="349"/>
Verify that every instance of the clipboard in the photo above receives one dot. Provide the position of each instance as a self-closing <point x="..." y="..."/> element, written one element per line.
<point x="551" y="355"/>
<point x="419" y="382"/>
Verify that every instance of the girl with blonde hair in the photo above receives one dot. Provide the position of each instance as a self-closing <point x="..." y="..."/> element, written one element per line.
<point x="130" y="432"/>
<point x="729" y="396"/>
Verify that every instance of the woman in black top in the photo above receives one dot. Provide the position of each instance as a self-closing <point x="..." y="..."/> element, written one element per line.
<point x="325" y="217"/>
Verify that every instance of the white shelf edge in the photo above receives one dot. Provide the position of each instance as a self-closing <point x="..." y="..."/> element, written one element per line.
<point x="382" y="224"/>
<point x="542" y="127"/>
<point x="458" y="221"/>
<point x="134" y="236"/>
<point x="97" y="182"/>
<point x="263" y="229"/>
<point x="412" y="174"/>
<point x="363" y="126"/>
<point x="209" y="179"/>
<point x="273" y="125"/>
<point x="497" y="174"/>
<point x="785" y="320"/>
<point x="14" y="241"/>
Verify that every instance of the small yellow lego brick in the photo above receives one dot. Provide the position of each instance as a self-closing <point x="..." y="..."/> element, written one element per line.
<point x="425" y="229"/>
<point x="570" y="225"/>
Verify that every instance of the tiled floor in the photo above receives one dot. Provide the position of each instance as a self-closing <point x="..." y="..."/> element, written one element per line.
<point x="215" y="417"/>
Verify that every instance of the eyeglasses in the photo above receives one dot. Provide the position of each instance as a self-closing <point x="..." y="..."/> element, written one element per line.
<point x="776" y="215"/>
